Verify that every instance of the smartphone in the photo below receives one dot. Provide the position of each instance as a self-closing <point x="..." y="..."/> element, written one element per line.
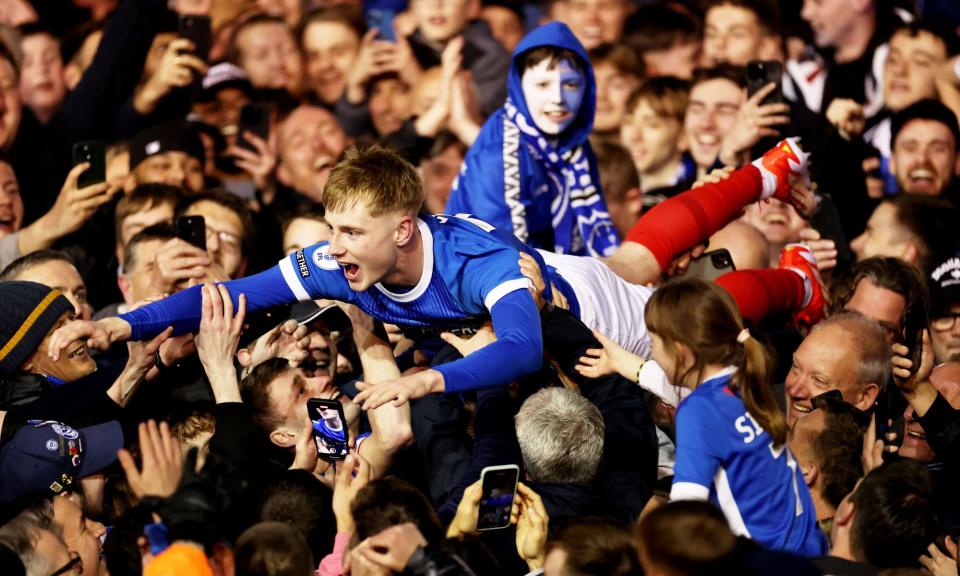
<point x="826" y="221"/>
<point x="763" y="72"/>
<point x="254" y="118"/>
<point x="914" y="322"/>
<point x="192" y="229"/>
<point x="197" y="30"/>
<point x="329" y="428"/>
<point x="499" y="491"/>
<point x="711" y="265"/>
<point x="94" y="152"/>
<point x="382" y="20"/>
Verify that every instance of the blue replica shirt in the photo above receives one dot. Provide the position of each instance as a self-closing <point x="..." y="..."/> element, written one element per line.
<point x="470" y="275"/>
<point x="724" y="455"/>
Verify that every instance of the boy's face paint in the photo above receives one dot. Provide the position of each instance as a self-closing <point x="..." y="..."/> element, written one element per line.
<point x="553" y="91"/>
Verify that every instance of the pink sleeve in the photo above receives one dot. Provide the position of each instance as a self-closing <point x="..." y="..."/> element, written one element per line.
<point x="332" y="563"/>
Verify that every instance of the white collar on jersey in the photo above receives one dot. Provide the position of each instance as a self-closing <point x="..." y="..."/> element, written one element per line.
<point x="425" y="276"/>
<point x="721" y="374"/>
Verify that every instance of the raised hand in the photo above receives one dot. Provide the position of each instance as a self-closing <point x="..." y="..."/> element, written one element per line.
<point x="754" y="121"/>
<point x="288" y="340"/>
<point x="532" y="527"/>
<point x="260" y="164"/>
<point x="217" y="339"/>
<point x="353" y="475"/>
<point x="176" y="70"/>
<point x="74" y="206"/>
<point x="161" y="462"/>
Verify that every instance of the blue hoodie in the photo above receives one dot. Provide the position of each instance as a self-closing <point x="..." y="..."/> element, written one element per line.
<point x="546" y="191"/>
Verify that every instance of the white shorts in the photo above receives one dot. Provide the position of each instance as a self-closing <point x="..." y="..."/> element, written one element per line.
<point x="608" y="303"/>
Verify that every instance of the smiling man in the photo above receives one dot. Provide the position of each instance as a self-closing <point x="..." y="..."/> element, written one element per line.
<point x="846" y="352"/>
<point x="531" y="169"/>
<point x="925" y="157"/>
<point x="309" y="142"/>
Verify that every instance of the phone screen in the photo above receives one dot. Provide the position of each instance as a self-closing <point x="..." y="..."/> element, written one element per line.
<point x="496" y="502"/>
<point x="382" y="20"/>
<point x="329" y="428"/>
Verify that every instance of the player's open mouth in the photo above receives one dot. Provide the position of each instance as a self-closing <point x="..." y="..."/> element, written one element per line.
<point x="7" y="223"/>
<point x="79" y="352"/>
<point x="351" y="271"/>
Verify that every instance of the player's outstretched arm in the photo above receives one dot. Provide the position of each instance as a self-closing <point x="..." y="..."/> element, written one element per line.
<point x="518" y="350"/>
<point x="183" y="311"/>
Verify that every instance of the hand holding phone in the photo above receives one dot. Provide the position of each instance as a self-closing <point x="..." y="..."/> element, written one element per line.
<point x="330" y="431"/>
<point x="499" y="490"/>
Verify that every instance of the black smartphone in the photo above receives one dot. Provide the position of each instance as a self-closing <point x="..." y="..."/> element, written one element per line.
<point x="914" y="322"/>
<point x="197" y="30"/>
<point x="499" y="491"/>
<point x="763" y="72"/>
<point x="192" y="229"/>
<point x="330" y="431"/>
<point x="94" y="152"/>
<point x="382" y="20"/>
<point x="255" y="119"/>
<point x="826" y="221"/>
<point x="711" y="265"/>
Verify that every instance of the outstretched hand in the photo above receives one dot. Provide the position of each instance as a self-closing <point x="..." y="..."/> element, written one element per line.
<point x="610" y="359"/>
<point x="161" y="462"/>
<point x="399" y="390"/>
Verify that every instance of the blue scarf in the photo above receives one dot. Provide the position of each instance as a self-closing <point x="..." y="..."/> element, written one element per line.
<point x="580" y="218"/>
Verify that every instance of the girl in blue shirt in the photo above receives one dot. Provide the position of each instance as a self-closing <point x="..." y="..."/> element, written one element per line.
<point x="731" y="433"/>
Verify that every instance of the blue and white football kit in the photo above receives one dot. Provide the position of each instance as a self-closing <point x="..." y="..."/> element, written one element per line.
<point x="724" y="455"/>
<point x="470" y="275"/>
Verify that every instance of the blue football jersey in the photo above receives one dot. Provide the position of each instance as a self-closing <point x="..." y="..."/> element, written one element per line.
<point x="468" y="266"/>
<point x="723" y="453"/>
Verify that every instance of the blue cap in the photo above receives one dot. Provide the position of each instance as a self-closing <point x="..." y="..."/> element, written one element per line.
<point x="48" y="455"/>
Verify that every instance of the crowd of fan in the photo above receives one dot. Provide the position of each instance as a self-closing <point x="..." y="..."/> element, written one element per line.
<point x="192" y="454"/>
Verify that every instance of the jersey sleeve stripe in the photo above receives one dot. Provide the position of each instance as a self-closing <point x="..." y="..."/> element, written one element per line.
<point x="502" y="290"/>
<point x="293" y="282"/>
<point x="688" y="491"/>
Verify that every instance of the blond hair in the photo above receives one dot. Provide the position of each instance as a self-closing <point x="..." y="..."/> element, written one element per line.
<point x="376" y="177"/>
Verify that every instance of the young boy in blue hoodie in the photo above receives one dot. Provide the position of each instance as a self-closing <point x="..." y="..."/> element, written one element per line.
<point x="532" y="170"/>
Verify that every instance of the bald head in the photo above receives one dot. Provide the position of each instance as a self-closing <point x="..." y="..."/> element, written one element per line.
<point x="747" y="246"/>
<point x="946" y="379"/>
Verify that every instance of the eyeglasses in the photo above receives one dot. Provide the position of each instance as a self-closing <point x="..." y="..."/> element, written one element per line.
<point x="74" y="565"/>
<point x="944" y="323"/>
<point x="228" y="238"/>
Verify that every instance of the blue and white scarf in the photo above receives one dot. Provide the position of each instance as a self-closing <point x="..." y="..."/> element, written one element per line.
<point x="581" y="223"/>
